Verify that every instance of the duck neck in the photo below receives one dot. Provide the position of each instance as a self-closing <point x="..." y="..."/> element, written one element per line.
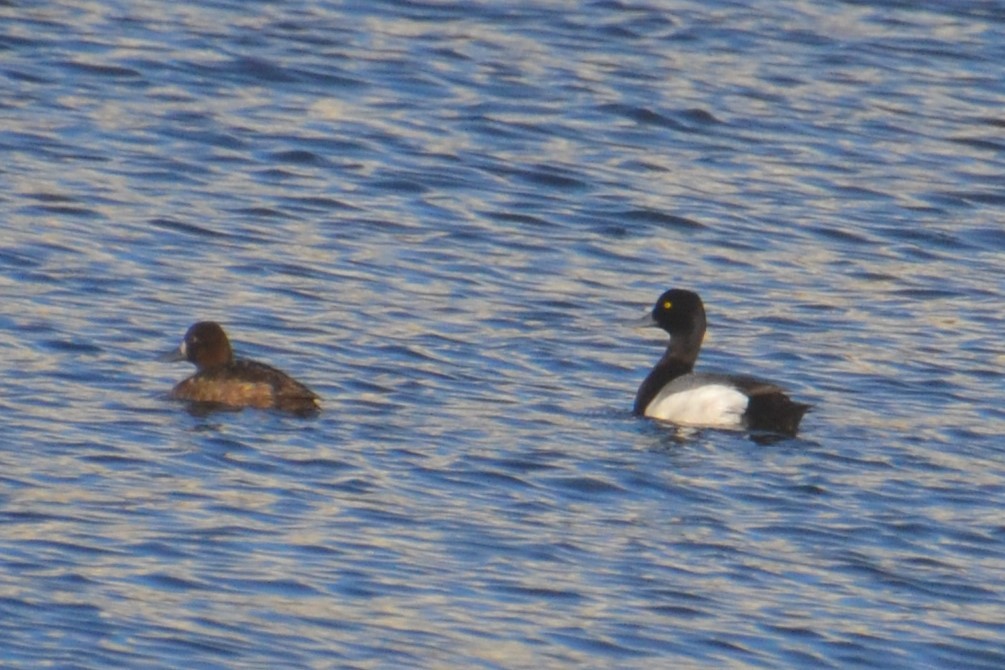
<point x="685" y="347"/>
<point x="678" y="360"/>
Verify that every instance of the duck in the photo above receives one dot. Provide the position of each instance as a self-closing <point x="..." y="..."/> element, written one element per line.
<point x="673" y="392"/>
<point x="221" y="379"/>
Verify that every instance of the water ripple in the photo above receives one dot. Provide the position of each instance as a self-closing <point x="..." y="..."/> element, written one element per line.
<point x="442" y="217"/>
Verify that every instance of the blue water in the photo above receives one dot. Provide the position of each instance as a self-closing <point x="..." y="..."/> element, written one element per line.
<point x="441" y="217"/>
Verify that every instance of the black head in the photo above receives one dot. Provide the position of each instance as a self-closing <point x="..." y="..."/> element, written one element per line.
<point x="680" y="312"/>
<point x="205" y="345"/>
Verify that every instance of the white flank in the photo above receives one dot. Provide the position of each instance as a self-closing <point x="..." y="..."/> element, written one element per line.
<point x="715" y="405"/>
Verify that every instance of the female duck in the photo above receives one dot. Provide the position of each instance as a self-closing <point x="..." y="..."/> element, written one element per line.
<point x="222" y="379"/>
<point x="673" y="392"/>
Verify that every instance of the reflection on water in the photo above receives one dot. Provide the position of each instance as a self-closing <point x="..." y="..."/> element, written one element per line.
<point x="443" y="217"/>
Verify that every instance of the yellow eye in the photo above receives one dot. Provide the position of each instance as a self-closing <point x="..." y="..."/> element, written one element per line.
<point x="667" y="304"/>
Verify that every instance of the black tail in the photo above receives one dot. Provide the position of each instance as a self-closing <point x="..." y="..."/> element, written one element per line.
<point x="775" y="412"/>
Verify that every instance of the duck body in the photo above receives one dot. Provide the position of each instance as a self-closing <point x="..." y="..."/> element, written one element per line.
<point x="225" y="380"/>
<point x="674" y="392"/>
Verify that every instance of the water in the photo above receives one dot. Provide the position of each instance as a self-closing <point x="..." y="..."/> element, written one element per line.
<point x="441" y="217"/>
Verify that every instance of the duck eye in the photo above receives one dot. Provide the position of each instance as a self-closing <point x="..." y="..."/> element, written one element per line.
<point x="667" y="305"/>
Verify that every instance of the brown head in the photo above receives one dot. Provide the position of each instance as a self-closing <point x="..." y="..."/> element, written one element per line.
<point x="206" y="346"/>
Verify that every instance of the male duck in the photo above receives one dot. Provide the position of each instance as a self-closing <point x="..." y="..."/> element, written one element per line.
<point x="672" y="392"/>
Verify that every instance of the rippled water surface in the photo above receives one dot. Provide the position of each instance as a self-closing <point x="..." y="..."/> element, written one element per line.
<point x="442" y="217"/>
